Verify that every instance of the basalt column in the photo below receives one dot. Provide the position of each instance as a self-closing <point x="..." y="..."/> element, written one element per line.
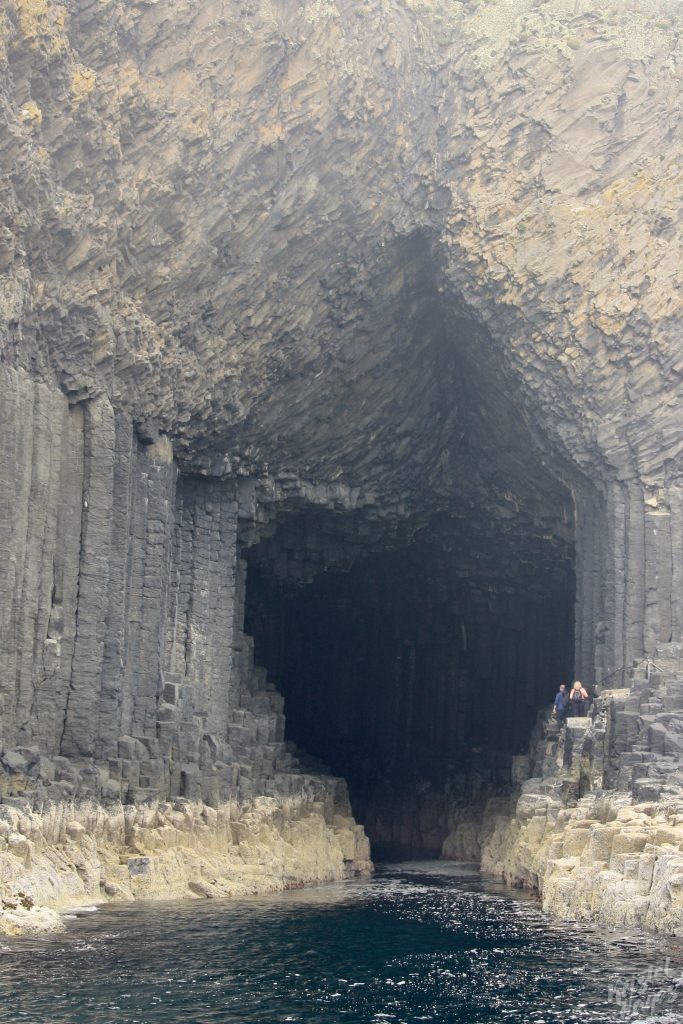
<point x="629" y="585"/>
<point x="85" y="578"/>
<point x="121" y="609"/>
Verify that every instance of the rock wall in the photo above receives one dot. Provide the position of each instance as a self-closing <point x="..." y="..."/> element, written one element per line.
<point x="128" y="680"/>
<point x="628" y="579"/>
<point x="85" y="572"/>
<point x="126" y="667"/>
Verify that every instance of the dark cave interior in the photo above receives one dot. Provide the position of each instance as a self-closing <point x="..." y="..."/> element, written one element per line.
<point x="413" y="669"/>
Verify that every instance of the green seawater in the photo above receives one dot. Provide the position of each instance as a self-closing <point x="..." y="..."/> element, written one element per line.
<point x="418" y="942"/>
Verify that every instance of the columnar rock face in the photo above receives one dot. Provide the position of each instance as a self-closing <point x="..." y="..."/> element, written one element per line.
<point x="360" y="321"/>
<point x="596" y="822"/>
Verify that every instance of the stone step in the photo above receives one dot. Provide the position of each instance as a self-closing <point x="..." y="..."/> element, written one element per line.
<point x="651" y="706"/>
<point x="646" y="790"/>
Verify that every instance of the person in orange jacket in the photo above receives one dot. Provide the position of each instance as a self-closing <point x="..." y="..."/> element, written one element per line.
<point x="578" y="700"/>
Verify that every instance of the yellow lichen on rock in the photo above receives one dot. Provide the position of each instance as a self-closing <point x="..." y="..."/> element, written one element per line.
<point x="4" y="33"/>
<point x="82" y="84"/>
<point x="69" y="854"/>
<point x="42" y="24"/>
<point x="127" y="78"/>
<point x="32" y="115"/>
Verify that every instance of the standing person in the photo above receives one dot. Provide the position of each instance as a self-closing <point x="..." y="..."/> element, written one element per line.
<point x="561" y="707"/>
<point x="578" y="700"/>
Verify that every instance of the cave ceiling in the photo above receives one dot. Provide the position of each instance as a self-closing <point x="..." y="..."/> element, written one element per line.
<point x="416" y="250"/>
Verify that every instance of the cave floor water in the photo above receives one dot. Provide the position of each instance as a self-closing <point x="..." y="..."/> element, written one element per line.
<point x="422" y="941"/>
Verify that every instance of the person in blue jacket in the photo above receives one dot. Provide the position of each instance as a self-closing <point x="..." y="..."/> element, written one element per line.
<point x="561" y="707"/>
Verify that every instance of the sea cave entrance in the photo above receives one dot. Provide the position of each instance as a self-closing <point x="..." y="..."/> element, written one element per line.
<point x="413" y="671"/>
<point x="416" y="630"/>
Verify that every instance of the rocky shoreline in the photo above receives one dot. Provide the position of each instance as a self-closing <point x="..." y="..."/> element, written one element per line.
<point x="596" y="827"/>
<point x="68" y="855"/>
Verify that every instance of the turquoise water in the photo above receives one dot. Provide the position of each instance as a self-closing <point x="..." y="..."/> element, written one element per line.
<point x="419" y="942"/>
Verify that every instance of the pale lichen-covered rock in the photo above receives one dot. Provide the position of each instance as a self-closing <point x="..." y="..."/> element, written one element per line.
<point x="84" y="854"/>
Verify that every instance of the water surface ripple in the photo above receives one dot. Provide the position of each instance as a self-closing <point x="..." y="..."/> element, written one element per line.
<point x="419" y="942"/>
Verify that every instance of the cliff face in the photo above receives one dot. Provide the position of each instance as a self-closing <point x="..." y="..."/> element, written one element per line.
<point x="290" y="287"/>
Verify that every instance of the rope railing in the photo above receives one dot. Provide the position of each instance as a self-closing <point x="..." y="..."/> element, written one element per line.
<point x="650" y="663"/>
<point x="617" y="671"/>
